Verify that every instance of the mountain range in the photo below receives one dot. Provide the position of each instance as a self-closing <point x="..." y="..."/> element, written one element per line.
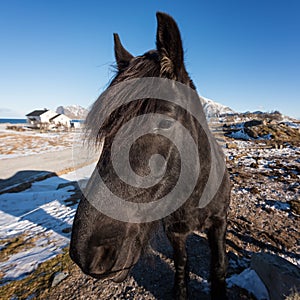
<point x="74" y="112"/>
<point x="214" y="109"/>
<point x="211" y="109"/>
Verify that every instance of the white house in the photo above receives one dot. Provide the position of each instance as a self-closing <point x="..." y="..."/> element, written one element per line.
<point x="61" y="120"/>
<point x="40" y="118"/>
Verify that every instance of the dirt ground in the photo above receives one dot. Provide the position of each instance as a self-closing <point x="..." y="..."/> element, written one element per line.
<point x="263" y="216"/>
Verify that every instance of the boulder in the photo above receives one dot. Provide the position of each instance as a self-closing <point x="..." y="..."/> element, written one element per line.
<point x="253" y="123"/>
<point x="251" y="282"/>
<point x="252" y="133"/>
<point x="280" y="276"/>
<point x="295" y="206"/>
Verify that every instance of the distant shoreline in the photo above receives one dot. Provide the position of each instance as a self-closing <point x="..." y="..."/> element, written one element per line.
<point x="12" y="121"/>
<point x="24" y="121"/>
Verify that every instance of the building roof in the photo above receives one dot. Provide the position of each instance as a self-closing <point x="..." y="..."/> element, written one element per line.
<point x="36" y="113"/>
<point x="66" y="117"/>
<point x="51" y="119"/>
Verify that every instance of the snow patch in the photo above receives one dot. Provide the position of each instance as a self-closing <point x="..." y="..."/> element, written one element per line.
<point x="250" y="281"/>
<point x="240" y="135"/>
<point x="40" y="213"/>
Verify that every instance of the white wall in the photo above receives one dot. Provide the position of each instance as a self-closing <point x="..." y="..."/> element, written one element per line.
<point x="47" y="115"/>
<point x="62" y="119"/>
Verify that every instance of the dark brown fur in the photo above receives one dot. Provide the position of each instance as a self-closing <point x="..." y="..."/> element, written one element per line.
<point x="107" y="248"/>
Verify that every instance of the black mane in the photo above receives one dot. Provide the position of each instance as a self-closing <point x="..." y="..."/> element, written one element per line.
<point x="146" y="65"/>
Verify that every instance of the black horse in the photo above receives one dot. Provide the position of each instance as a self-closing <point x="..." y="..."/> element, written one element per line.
<point x="105" y="246"/>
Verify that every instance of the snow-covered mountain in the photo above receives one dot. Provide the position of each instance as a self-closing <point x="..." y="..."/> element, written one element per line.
<point x="75" y="112"/>
<point x="213" y="109"/>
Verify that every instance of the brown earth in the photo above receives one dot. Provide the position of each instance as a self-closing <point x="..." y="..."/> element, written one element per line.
<point x="263" y="216"/>
<point x="255" y="225"/>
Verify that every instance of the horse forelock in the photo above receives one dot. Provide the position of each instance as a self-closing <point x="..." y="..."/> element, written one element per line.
<point x="150" y="64"/>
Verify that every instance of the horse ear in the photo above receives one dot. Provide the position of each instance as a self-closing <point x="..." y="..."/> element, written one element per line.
<point x="169" y="45"/>
<point x="123" y="57"/>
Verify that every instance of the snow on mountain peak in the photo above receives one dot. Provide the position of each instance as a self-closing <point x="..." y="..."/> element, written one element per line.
<point x="75" y="112"/>
<point x="214" y="109"/>
<point x="211" y="109"/>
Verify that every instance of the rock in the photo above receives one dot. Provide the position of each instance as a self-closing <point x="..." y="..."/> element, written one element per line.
<point x="67" y="230"/>
<point x="231" y="145"/>
<point x="295" y="206"/>
<point x="72" y="184"/>
<point x="251" y="132"/>
<point x="253" y="123"/>
<point x="280" y="276"/>
<point x="250" y="281"/>
<point x="58" y="277"/>
<point x="254" y="190"/>
<point x="273" y="122"/>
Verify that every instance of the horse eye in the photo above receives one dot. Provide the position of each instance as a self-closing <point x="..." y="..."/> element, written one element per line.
<point x="165" y="124"/>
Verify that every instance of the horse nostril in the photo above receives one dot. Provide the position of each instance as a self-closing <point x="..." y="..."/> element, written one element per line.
<point x="103" y="258"/>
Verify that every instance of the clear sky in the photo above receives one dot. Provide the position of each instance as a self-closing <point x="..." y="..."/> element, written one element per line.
<point x="241" y="53"/>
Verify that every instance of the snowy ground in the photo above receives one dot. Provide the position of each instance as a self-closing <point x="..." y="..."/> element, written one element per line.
<point x="40" y="213"/>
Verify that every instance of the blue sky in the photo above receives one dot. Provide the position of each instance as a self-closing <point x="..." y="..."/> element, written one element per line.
<point x="241" y="53"/>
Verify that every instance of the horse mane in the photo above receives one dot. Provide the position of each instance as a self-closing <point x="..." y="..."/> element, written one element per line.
<point x="146" y="65"/>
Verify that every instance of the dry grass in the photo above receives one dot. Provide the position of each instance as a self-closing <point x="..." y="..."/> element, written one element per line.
<point x="12" y="246"/>
<point x="15" y="245"/>
<point x="14" y="143"/>
<point x="39" y="281"/>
